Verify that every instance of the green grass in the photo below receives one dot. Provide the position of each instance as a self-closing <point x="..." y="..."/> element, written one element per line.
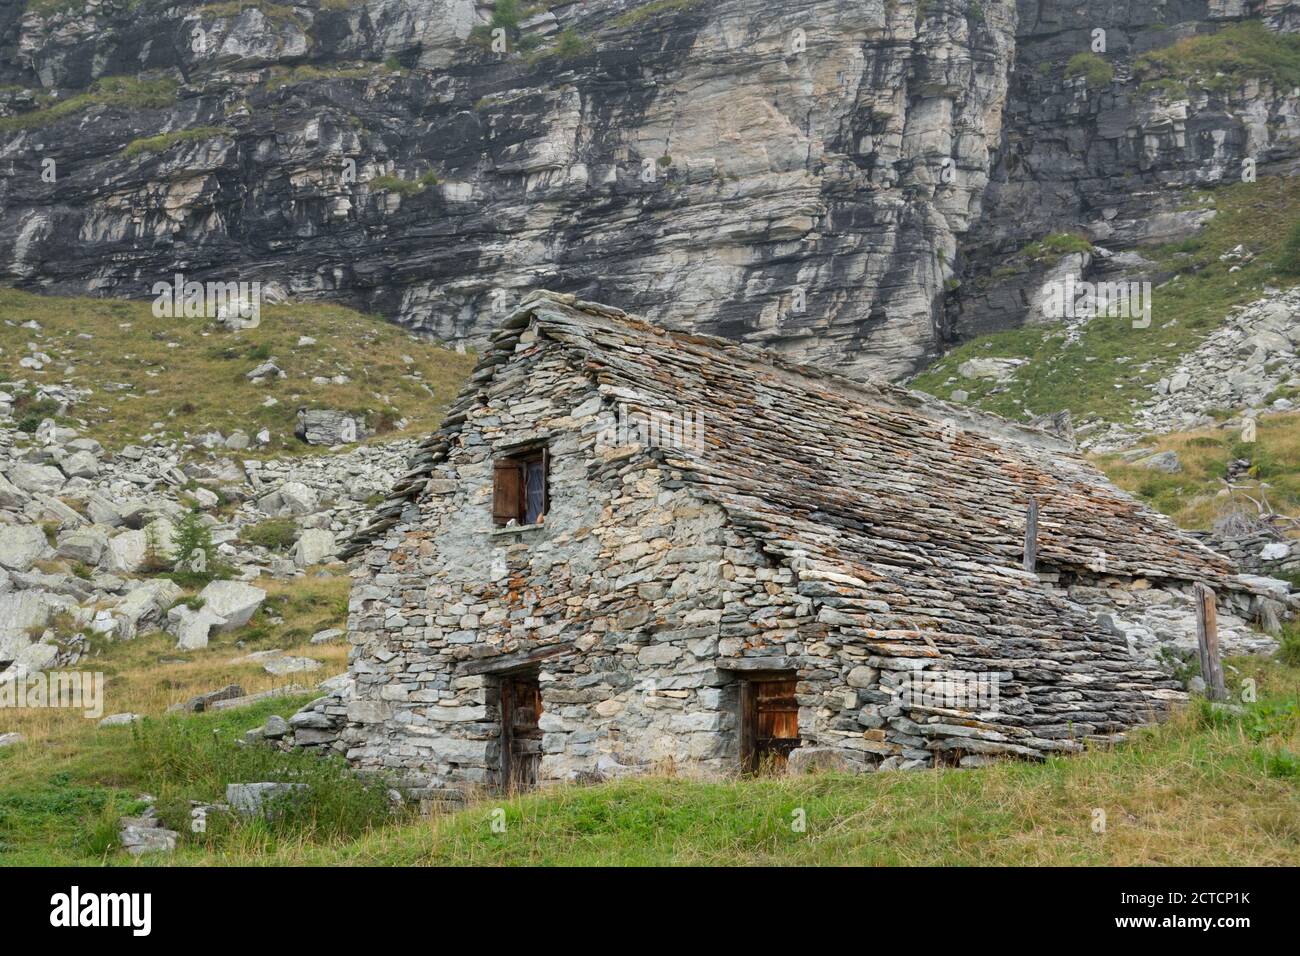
<point x="1192" y="497"/>
<point x="62" y="790"/>
<point x="275" y="12"/>
<point x="169" y="377"/>
<point x="404" y="187"/>
<point x="1097" y="73"/>
<point x="1224" y="60"/>
<point x="1289" y="260"/>
<point x="275" y="534"/>
<point x="1110" y="368"/>
<point x="1206" y="788"/>
<point x="165" y="141"/>
<point x="110" y="91"/>
<point x="568" y="45"/>
<point x="648" y="10"/>
<point x="1052" y="247"/>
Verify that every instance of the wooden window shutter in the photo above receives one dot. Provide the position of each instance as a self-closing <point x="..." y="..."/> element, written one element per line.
<point x="507" y="491"/>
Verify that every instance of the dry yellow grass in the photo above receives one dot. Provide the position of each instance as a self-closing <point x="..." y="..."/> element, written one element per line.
<point x="149" y="674"/>
<point x="170" y="377"/>
<point x="1198" y="495"/>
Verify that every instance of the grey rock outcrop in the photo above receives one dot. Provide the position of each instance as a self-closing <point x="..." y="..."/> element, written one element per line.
<point x="321" y="426"/>
<point x="841" y="181"/>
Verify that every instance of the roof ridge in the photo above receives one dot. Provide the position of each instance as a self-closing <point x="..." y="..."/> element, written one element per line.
<point x="908" y="397"/>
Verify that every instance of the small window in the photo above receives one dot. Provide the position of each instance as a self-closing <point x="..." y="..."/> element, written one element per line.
<point x="520" y="488"/>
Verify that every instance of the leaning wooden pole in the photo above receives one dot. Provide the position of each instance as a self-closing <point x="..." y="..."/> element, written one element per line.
<point x="1031" y="536"/>
<point x="1207" y="638"/>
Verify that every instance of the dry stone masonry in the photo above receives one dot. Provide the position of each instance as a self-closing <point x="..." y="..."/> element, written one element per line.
<point x="861" y="539"/>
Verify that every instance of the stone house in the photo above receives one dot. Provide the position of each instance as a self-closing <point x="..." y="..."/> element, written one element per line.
<point x="629" y="549"/>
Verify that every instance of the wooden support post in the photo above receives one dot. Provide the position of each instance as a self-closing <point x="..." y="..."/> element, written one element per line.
<point x="1207" y="638"/>
<point x="1031" y="536"/>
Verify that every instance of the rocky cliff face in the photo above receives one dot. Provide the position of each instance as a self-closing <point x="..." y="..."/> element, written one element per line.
<point x="825" y="177"/>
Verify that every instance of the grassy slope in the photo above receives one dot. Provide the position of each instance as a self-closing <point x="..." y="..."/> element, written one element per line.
<point x="188" y="375"/>
<point x="1193" y="497"/>
<point x="1202" y="789"/>
<point x="1112" y="365"/>
<point x="57" y="785"/>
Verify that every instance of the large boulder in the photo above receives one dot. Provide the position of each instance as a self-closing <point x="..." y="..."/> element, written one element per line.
<point x="32" y="659"/>
<point x="291" y="498"/>
<point x="82" y="544"/>
<point x="11" y="496"/>
<point x="233" y="601"/>
<point x="81" y="464"/>
<point x="20" y="612"/>
<point x="314" y="546"/>
<point x="1166" y="461"/>
<point x="192" y="628"/>
<point x="126" y="552"/>
<point x="102" y="511"/>
<point x="255" y="799"/>
<point x="143" y="608"/>
<point x="21" y="545"/>
<point x="324" y="426"/>
<point x="36" y="479"/>
<point x="998" y="369"/>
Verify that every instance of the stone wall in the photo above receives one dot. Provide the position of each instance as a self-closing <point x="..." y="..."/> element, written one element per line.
<point x="638" y="576"/>
<point x="656" y="602"/>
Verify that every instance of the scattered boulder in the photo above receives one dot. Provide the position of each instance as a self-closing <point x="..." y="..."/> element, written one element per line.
<point x="256" y="799"/>
<point x="126" y="552"/>
<point x="120" y="720"/>
<point x="11" y="496"/>
<point x="36" y="479"/>
<point x="291" y="498"/>
<point x="143" y="834"/>
<point x="327" y="636"/>
<point x="280" y="664"/>
<point x="201" y="703"/>
<point x="322" y="426"/>
<point x="9" y="740"/>
<point x="20" y="612"/>
<point x="144" y="606"/>
<point x="82" y="544"/>
<point x="265" y="372"/>
<point x="21" y="545"/>
<point x="192" y="627"/>
<point x="81" y="464"/>
<point x="233" y="601"/>
<point x="1166" y="461"/>
<point x="314" y="546"/>
<point x="998" y="369"/>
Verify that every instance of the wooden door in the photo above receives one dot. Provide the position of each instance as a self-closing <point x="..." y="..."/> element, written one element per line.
<point x="769" y="723"/>
<point x="521" y="738"/>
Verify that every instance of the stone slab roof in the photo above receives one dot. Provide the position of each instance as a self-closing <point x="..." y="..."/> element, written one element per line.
<point x="825" y="469"/>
